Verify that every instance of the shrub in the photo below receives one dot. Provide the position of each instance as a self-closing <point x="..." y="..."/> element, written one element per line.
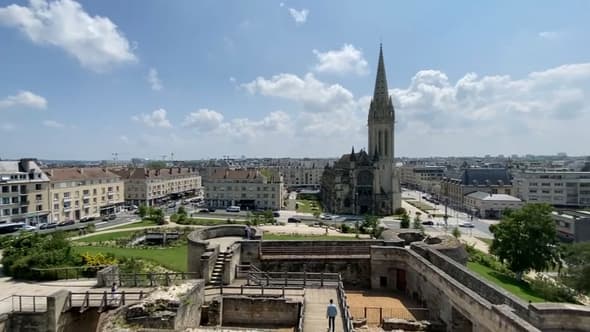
<point x="405" y="222"/>
<point x="175" y="218"/>
<point x="552" y="290"/>
<point x="400" y="211"/>
<point x="456" y="232"/>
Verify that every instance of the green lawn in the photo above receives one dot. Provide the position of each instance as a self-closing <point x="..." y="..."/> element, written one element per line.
<point x="143" y="223"/>
<point x="420" y="205"/>
<point x="308" y="206"/>
<point x="106" y="236"/>
<point x="486" y="240"/>
<point x="269" y="236"/>
<point x="172" y="258"/>
<point x="516" y="287"/>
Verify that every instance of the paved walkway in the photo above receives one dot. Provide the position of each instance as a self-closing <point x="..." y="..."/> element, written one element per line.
<point x="316" y="303"/>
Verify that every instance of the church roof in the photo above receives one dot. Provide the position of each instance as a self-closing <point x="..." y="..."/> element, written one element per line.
<point x="381" y="93"/>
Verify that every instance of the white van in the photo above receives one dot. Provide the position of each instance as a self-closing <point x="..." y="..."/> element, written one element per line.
<point x="233" y="208"/>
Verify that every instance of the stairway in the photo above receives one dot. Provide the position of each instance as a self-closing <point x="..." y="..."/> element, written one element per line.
<point x="217" y="274"/>
<point x="316" y="304"/>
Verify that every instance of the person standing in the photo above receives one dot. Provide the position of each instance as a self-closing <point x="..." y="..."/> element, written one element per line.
<point x="331" y="313"/>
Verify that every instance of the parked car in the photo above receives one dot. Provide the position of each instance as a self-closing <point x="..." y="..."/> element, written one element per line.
<point x="293" y="220"/>
<point x="112" y="217"/>
<point x="28" y="228"/>
<point x="211" y="209"/>
<point x="171" y="205"/>
<point x="232" y="208"/>
<point x="105" y="217"/>
<point x="428" y="223"/>
<point x="86" y="219"/>
<point x="48" y="226"/>
<point x="203" y="211"/>
<point x="276" y="214"/>
<point x="326" y="217"/>
<point x="467" y="225"/>
<point x="66" y="223"/>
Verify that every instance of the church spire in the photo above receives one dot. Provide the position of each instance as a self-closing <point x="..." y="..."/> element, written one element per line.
<point x="381" y="94"/>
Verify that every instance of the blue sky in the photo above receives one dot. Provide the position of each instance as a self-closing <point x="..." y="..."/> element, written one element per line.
<point x="201" y="79"/>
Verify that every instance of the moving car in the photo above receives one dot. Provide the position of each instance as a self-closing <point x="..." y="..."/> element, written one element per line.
<point x="112" y="217"/>
<point x="66" y="223"/>
<point x="232" y="208"/>
<point x="293" y="220"/>
<point x="428" y="223"/>
<point x="326" y="217"/>
<point x="467" y="225"/>
<point x="204" y="211"/>
<point x="276" y="214"/>
<point x="48" y="226"/>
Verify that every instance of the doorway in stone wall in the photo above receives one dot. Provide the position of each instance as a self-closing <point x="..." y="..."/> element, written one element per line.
<point x="400" y="279"/>
<point x="383" y="282"/>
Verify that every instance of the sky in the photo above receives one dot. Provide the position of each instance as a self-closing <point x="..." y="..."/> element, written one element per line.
<point x="208" y="79"/>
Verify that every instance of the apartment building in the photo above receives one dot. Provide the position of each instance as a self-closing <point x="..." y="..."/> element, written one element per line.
<point x="302" y="176"/>
<point x="572" y="226"/>
<point x="558" y="188"/>
<point x="84" y="192"/>
<point x="247" y="188"/>
<point x="421" y="177"/>
<point x="156" y="186"/>
<point x="24" y="192"/>
<point x="492" y="206"/>
<point x="454" y="186"/>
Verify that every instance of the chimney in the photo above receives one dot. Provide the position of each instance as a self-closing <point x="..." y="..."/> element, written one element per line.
<point x="81" y="170"/>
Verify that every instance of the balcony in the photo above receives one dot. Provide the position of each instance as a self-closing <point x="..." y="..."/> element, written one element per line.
<point x="67" y="208"/>
<point x="67" y="199"/>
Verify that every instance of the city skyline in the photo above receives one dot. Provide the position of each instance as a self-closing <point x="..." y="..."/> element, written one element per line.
<point x="268" y="79"/>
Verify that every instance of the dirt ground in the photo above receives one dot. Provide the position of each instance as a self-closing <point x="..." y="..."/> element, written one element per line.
<point x="382" y="304"/>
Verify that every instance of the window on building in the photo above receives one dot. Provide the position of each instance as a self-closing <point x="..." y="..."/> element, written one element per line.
<point x="38" y="186"/>
<point x="15" y="211"/>
<point x="6" y="212"/>
<point x="14" y="189"/>
<point x="5" y="200"/>
<point x="5" y="189"/>
<point x="39" y="208"/>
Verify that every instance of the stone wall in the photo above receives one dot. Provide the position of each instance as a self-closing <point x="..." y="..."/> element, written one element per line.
<point x="28" y="322"/>
<point x="107" y="276"/>
<point x="260" y="312"/>
<point x="189" y="312"/>
<point x="198" y="244"/>
<point x="560" y="316"/>
<point x="230" y="264"/>
<point x="384" y="267"/>
<point x="207" y="263"/>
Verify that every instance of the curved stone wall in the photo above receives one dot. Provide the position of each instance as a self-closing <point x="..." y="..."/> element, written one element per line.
<point x="198" y="244"/>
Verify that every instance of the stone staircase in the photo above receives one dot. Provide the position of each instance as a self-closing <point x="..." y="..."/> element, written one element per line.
<point x="217" y="274"/>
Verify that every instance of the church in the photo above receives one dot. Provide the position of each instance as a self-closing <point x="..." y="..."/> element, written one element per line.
<point x="366" y="182"/>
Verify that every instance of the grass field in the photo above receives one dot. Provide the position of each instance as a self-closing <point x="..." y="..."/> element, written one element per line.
<point x="308" y="206"/>
<point x="420" y="205"/>
<point x="269" y="236"/>
<point x="105" y="236"/>
<point x="171" y="258"/>
<point x="516" y="287"/>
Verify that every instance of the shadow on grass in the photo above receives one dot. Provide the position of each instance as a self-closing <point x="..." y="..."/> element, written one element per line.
<point x="523" y="286"/>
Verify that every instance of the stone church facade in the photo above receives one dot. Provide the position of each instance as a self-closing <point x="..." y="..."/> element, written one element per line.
<point x="366" y="182"/>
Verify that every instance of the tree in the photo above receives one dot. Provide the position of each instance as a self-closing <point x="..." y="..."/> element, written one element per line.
<point x="525" y="239"/>
<point x="316" y="214"/>
<point x="400" y="211"/>
<point x="405" y="222"/>
<point x="268" y="217"/>
<point x="417" y="222"/>
<point x="456" y="232"/>
<point x="156" y="164"/>
<point x="181" y="210"/>
<point x="158" y="216"/>
<point x="143" y="211"/>
<point x="577" y="262"/>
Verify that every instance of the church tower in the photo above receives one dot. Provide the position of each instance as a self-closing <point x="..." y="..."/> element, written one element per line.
<point x="381" y="144"/>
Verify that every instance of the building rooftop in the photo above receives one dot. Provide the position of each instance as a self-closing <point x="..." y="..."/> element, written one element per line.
<point x="162" y="173"/>
<point x="74" y="173"/>
<point x="493" y="197"/>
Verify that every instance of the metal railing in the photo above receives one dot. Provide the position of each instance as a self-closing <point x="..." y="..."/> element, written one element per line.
<point x="154" y="279"/>
<point x="301" y="279"/>
<point x="101" y="300"/>
<point x="301" y="317"/>
<point x="68" y="272"/>
<point x="344" y="308"/>
<point x="272" y="291"/>
<point x="23" y="303"/>
<point x="376" y="315"/>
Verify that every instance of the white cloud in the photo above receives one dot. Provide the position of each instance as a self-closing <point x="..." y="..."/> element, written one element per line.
<point x="53" y="124"/>
<point x="203" y="120"/>
<point x="348" y="59"/>
<point x="232" y="79"/>
<point x="282" y="4"/>
<point x="93" y="40"/>
<point x="300" y="16"/>
<point x="155" y="119"/>
<point x="25" y="99"/>
<point x="549" y="35"/>
<point x="154" y="80"/>
<point x="313" y="94"/>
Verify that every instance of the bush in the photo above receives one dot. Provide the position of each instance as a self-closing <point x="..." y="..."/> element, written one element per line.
<point x="552" y="291"/>
<point x="456" y="232"/>
<point x="174" y="218"/>
<point x="400" y="211"/>
<point x="91" y="228"/>
<point x="488" y="260"/>
<point x="405" y="222"/>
